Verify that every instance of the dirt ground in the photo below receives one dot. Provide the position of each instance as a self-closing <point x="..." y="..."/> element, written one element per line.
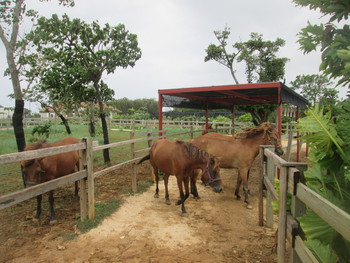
<point x="216" y="228"/>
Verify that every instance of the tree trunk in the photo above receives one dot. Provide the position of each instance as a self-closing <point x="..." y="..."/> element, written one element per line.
<point x="65" y="123"/>
<point x="105" y="137"/>
<point x="92" y="130"/>
<point x="17" y="121"/>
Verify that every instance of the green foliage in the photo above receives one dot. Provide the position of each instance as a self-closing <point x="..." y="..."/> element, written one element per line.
<point x="42" y="130"/>
<point x="261" y="63"/>
<point x="247" y="117"/>
<point x="333" y="39"/>
<point x="328" y="176"/>
<point x="315" y="88"/>
<point x="222" y="119"/>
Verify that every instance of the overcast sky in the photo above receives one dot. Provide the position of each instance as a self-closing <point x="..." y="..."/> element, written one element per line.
<point x="173" y="36"/>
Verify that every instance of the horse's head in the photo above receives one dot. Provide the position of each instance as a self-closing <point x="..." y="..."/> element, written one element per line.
<point x="272" y="137"/>
<point x="211" y="176"/>
<point x="32" y="171"/>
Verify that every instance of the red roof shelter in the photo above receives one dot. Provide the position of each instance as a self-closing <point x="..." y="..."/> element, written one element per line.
<point x="228" y="96"/>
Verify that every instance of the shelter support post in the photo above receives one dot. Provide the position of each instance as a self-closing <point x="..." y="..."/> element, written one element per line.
<point x="298" y="141"/>
<point x="233" y="119"/>
<point x="160" y="114"/>
<point x="206" y="116"/>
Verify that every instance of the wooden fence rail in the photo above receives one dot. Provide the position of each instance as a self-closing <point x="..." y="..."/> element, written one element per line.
<point x="290" y="175"/>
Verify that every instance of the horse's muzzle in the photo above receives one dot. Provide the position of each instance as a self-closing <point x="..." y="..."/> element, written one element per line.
<point x="279" y="151"/>
<point x="217" y="189"/>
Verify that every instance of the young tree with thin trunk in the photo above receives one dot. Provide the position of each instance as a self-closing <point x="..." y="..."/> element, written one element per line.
<point x="96" y="50"/>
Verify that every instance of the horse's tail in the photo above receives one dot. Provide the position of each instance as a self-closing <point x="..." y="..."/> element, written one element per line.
<point x="145" y="158"/>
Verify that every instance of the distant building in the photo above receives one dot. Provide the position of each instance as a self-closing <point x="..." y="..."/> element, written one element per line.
<point x="49" y="114"/>
<point x="5" y="113"/>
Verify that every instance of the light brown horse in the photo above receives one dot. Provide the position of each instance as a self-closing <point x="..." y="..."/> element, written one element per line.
<point x="44" y="169"/>
<point x="240" y="151"/>
<point x="182" y="159"/>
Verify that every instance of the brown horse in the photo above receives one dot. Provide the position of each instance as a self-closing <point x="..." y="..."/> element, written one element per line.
<point x="182" y="159"/>
<point x="239" y="151"/>
<point x="44" y="169"/>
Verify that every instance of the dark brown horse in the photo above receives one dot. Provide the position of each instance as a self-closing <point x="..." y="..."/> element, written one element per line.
<point x="44" y="169"/>
<point x="182" y="159"/>
<point x="240" y="151"/>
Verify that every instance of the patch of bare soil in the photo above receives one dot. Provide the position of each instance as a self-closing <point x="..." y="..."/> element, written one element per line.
<point x="216" y="228"/>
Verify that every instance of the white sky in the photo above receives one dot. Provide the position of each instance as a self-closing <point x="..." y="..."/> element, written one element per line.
<point x="173" y="36"/>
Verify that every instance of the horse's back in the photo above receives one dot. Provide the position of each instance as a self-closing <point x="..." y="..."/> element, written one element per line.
<point x="63" y="163"/>
<point x="165" y="155"/>
<point x="221" y="146"/>
<point x="218" y="136"/>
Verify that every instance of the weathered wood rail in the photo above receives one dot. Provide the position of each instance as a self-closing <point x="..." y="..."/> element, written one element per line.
<point x="290" y="176"/>
<point x="85" y="175"/>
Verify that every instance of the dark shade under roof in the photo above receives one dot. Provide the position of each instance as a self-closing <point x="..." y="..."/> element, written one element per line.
<point x="224" y="97"/>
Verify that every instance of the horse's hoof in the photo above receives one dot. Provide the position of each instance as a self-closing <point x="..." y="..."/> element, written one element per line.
<point x="53" y="222"/>
<point x="249" y="207"/>
<point x="238" y="197"/>
<point x="178" y="202"/>
<point x="156" y="195"/>
<point x="167" y="202"/>
<point x="36" y="219"/>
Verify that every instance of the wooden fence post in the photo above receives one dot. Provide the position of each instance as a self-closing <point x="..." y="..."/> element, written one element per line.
<point x="90" y="178"/>
<point x="282" y="215"/>
<point x="133" y="178"/>
<point x="82" y="186"/>
<point x="261" y="186"/>
<point x="149" y="135"/>
<point x="270" y="171"/>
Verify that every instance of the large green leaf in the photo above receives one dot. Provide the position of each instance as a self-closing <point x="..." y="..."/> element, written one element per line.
<point x="322" y="133"/>
<point x="316" y="228"/>
<point x="322" y="252"/>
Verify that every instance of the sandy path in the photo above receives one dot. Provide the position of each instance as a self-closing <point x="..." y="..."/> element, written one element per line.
<point x="217" y="228"/>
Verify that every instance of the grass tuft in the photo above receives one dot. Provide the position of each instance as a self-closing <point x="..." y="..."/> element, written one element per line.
<point x="102" y="210"/>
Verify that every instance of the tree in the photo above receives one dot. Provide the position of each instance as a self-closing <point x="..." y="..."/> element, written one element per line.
<point x="12" y="13"/>
<point x="315" y="88"/>
<point x="261" y="61"/>
<point x="220" y="54"/>
<point x="96" y="50"/>
<point x="334" y="41"/>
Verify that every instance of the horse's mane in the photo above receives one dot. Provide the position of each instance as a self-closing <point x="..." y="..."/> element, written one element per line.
<point x="194" y="152"/>
<point x="33" y="146"/>
<point x="255" y="131"/>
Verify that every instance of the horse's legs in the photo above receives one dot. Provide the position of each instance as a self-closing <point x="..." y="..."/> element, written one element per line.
<point x="51" y="201"/>
<point x="183" y="197"/>
<point x="193" y="184"/>
<point x="238" y="185"/>
<point x="38" y="206"/>
<point x="156" y="176"/>
<point x="244" y="174"/>
<point x="166" y="180"/>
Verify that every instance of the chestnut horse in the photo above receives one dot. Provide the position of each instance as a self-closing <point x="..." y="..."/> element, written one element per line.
<point x="240" y="151"/>
<point x="182" y="159"/>
<point x="44" y="169"/>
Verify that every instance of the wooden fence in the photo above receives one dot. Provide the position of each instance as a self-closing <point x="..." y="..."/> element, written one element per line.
<point x="85" y="175"/>
<point x="290" y="181"/>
